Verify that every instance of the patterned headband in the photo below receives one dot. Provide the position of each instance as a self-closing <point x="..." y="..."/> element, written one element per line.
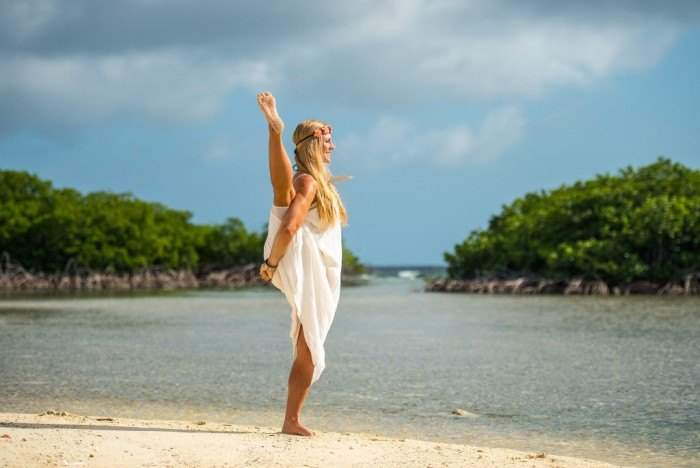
<point x="318" y="133"/>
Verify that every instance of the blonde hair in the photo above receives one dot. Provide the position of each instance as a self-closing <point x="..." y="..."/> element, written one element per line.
<point x="308" y="155"/>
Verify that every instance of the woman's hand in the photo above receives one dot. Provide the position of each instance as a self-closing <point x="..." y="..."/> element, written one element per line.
<point x="267" y="272"/>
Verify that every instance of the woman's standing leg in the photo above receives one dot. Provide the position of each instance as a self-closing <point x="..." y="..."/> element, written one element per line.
<point x="280" y="167"/>
<point x="299" y="383"/>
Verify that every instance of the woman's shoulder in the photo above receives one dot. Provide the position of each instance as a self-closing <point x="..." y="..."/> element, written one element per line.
<point x="304" y="182"/>
<point x="303" y="176"/>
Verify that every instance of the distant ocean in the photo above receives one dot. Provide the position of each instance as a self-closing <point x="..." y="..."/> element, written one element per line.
<point x="407" y="271"/>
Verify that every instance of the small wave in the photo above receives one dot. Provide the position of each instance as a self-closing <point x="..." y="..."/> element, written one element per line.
<point x="408" y="274"/>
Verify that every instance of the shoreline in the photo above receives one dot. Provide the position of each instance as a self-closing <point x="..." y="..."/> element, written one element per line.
<point x="14" y="279"/>
<point x="689" y="286"/>
<point x="57" y="438"/>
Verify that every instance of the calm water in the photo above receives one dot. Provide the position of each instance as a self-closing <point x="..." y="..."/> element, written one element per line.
<point x="613" y="379"/>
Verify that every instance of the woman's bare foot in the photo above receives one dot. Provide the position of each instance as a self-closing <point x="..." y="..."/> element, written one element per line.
<point x="296" y="428"/>
<point x="267" y="104"/>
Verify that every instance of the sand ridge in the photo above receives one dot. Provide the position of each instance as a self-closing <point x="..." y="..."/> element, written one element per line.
<point x="57" y="438"/>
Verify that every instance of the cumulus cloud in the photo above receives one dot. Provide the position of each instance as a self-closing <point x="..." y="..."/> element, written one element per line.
<point x="392" y="141"/>
<point x="167" y="86"/>
<point x="67" y="62"/>
<point x="219" y="149"/>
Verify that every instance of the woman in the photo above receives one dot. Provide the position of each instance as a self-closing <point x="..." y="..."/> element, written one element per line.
<point x="303" y="250"/>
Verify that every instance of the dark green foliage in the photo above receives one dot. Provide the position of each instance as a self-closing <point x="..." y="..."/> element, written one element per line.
<point x="25" y="204"/>
<point x="640" y="224"/>
<point x="351" y="264"/>
<point x="229" y="244"/>
<point x="45" y="229"/>
<point x="119" y="232"/>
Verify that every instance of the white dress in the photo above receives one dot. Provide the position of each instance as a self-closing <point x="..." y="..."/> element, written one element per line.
<point x="309" y="276"/>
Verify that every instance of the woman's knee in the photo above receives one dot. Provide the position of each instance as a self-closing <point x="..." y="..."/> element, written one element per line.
<point x="304" y="365"/>
<point x="304" y="360"/>
<point x="303" y="351"/>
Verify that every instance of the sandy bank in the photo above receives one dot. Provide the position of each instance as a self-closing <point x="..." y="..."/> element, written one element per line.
<point x="100" y="441"/>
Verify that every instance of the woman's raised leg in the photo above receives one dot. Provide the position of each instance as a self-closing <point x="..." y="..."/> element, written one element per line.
<point x="280" y="167"/>
<point x="299" y="383"/>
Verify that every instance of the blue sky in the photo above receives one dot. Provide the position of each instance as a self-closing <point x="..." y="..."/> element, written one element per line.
<point x="442" y="111"/>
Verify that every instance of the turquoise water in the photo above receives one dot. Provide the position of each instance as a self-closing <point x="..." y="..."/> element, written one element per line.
<point x="609" y="378"/>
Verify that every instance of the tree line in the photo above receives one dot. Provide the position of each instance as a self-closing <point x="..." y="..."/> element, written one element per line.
<point x="640" y="224"/>
<point x="46" y="229"/>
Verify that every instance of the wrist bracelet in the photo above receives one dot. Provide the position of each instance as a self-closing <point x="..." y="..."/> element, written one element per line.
<point x="270" y="266"/>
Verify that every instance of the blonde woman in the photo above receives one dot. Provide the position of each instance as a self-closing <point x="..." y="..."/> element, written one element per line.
<point x="303" y="250"/>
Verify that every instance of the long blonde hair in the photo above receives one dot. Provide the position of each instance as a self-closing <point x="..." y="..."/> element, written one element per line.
<point x="308" y="155"/>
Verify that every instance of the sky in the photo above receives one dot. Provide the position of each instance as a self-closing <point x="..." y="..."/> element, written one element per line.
<point x="442" y="111"/>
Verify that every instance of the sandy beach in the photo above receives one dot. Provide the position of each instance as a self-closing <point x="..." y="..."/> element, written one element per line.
<point x="57" y="438"/>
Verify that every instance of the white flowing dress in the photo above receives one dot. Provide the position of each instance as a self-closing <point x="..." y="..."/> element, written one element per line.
<point x="309" y="276"/>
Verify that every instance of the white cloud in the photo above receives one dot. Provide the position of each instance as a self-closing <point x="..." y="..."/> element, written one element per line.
<point x="500" y="130"/>
<point x="394" y="142"/>
<point x="65" y="63"/>
<point x="30" y="16"/>
<point x="219" y="149"/>
<point x="166" y="86"/>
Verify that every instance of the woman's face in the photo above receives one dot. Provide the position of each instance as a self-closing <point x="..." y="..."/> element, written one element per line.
<point x="328" y="147"/>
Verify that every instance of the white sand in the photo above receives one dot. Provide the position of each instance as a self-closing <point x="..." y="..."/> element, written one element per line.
<point x="28" y="440"/>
